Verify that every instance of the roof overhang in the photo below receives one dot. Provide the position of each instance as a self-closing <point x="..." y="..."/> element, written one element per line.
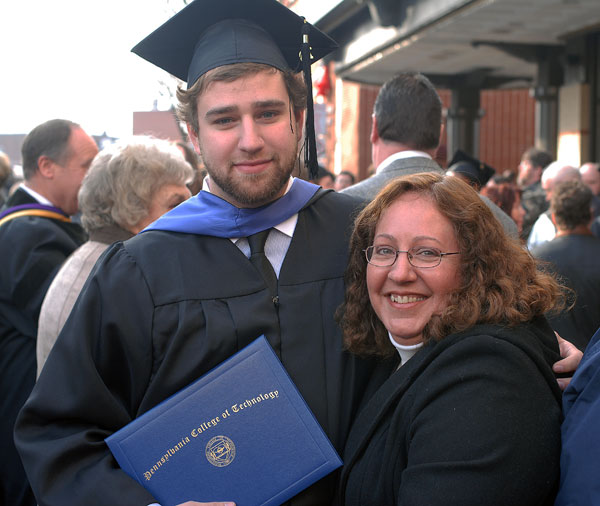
<point x="494" y="43"/>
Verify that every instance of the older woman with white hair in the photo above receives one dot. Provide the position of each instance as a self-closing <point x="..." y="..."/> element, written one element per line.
<point x="129" y="185"/>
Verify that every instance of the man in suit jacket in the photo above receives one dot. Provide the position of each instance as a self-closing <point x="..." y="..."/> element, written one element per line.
<point x="405" y="134"/>
<point x="36" y="236"/>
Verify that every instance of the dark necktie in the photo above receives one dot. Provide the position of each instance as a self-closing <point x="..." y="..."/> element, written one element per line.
<point x="260" y="260"/>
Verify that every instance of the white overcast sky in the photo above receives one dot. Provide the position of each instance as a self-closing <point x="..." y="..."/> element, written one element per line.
<point x="71" y="59"/>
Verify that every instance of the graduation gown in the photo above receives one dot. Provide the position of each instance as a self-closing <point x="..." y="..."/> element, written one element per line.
<point x="473" y="419"/>
<point x="32" y="249"/>
<point x="160" y="310"/>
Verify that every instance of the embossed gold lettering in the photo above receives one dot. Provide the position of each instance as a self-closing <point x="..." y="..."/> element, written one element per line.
<point x="247" y="403"/>
<point x="165" y="458"/>
<point x="205" y="426"/>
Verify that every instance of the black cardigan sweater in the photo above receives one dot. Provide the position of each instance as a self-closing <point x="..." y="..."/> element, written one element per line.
<point x="473" y="419"/>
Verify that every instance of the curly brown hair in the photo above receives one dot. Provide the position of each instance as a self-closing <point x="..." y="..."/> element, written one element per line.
<point x="500" y="282"/>
<point x="571" y="205"/>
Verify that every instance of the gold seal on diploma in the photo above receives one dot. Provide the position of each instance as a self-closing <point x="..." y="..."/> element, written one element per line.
<point x="220" y="451"/>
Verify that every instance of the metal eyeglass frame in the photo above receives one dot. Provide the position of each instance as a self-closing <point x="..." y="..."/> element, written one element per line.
<point x="409" y="256"/>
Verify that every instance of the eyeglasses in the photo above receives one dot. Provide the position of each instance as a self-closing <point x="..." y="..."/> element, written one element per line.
<point x="420" y="257"/>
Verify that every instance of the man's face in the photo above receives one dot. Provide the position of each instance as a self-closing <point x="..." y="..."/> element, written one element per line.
<point x="342" y="181"/>
<point x="67" y="176"/>
<point x="245" y="138"/>
<point x="528" y="173"/>
<point x="547" y="186"/>
<point x="590" y="175"/>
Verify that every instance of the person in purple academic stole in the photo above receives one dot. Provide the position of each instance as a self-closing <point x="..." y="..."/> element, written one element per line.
<point x="36" y="236"/>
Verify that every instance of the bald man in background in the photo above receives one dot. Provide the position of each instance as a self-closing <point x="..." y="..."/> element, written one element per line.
<point x="543" y="229"/>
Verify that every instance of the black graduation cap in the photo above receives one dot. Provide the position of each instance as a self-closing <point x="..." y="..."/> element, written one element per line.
<point x="210" y="33"/>
<point x="475" y="170"/>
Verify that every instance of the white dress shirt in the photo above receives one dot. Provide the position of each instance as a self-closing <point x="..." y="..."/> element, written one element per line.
<point x="278" y="240"/>
<point x="40" y="198"/>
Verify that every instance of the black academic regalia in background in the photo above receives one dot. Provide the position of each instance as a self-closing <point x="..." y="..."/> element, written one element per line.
<point x="164" y="308"/>
<point x="32" y="249"/>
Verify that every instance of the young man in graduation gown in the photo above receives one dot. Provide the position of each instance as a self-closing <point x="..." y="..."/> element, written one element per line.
<point x="168" y="305"/>
<point x="36" y="236"/>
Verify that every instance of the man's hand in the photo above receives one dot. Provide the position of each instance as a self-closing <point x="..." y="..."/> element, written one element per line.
<point x="194" y="503"/>
<point x="571" y="356"/>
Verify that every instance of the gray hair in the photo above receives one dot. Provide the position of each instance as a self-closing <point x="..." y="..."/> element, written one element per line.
<point x="558" y="172"/>
<point x="123" y="179"/>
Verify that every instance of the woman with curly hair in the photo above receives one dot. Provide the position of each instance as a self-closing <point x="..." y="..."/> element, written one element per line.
<point x="464" y="408"/>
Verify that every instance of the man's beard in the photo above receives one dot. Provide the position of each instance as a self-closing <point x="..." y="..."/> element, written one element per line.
<point x="263" y="191"/>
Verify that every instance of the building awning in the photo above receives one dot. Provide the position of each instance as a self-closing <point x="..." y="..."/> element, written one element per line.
<point x="493" y="42"/>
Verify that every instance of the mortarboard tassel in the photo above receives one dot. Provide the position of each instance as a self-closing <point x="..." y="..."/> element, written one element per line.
<point x="310" y="149"/>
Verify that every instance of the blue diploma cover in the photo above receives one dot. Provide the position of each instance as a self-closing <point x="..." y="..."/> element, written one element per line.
<point x="242" y="432"/>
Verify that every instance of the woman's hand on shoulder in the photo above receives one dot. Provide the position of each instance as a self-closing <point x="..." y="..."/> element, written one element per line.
<point x="571" y="356"/>
<point x="195" y="503"/>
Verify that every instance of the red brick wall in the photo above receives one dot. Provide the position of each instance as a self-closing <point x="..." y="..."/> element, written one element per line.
<point x="160" y="124"/>
<point x="506" y="130"/>
<point x="356" y="110"/>
<point x="508" y="127"/>
<point x="367" y="96"/>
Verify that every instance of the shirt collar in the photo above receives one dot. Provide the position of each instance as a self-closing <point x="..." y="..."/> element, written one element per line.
<point x="400" y="155"/>
<point x="40" y="198"/>
<point x="406" y="352"/>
